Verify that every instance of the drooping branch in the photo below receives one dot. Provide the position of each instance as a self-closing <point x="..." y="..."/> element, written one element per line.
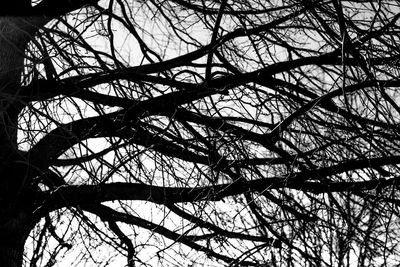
<point x="109" y="215"/>
<point x="216" y="230"/>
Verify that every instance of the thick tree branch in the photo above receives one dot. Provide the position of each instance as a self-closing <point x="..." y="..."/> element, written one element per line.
<point x="47" y="8"/>
<point x="73" y="195"/>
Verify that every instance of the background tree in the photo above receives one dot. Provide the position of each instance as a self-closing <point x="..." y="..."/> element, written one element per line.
<point x="199" y="133"/>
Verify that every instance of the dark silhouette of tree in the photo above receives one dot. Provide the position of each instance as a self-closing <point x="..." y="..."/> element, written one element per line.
<point x="199" y="133"/>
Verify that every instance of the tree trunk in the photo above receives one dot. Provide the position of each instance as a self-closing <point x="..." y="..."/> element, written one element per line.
<point x="11" y="255"/>
<point x="11" y="248"/>
<point x="15" y="203"/>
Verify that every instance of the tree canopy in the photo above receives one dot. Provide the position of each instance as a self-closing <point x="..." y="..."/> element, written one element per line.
<point x="199" y="133"/>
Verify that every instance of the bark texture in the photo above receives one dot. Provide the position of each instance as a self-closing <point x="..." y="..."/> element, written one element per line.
<point x="13" y="233"/>
<point x="19" y="22"/>
<point x="16" y="202"/>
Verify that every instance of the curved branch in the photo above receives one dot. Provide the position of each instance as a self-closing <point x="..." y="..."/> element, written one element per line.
<point x="108" y="214"/>
<point x="219" y="231"/>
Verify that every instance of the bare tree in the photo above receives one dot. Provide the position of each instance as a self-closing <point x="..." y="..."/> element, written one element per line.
<point x="199" y="133"/>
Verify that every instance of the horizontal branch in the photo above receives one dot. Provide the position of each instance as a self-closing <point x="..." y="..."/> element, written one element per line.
<point x="48" y="8"/>
<point x="73" y="195"/>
